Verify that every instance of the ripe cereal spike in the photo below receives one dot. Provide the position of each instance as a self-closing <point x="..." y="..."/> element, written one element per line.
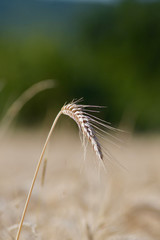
<point x="75" y="112"/>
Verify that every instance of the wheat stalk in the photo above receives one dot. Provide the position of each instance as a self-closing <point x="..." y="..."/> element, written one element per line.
<point x="86" y="123"/>
<point x="17" y="105"/>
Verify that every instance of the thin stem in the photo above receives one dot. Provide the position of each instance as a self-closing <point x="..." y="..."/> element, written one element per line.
<point x="35" y="175"/>
<point x="17" y="105"/>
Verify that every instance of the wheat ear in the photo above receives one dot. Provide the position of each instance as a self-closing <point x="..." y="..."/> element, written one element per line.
<point x="77" y="113"/>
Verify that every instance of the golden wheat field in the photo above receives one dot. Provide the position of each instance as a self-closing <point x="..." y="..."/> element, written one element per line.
<point x="78" y="199"/>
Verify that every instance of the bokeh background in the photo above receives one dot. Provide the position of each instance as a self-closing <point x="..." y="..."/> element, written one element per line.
<point x="105" y="51"/>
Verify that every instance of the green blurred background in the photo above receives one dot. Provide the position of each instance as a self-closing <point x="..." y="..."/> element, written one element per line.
<point x="106" y="51"/>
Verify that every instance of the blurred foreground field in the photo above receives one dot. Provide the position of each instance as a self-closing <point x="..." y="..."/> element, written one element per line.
<point x="77" y="200"/>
